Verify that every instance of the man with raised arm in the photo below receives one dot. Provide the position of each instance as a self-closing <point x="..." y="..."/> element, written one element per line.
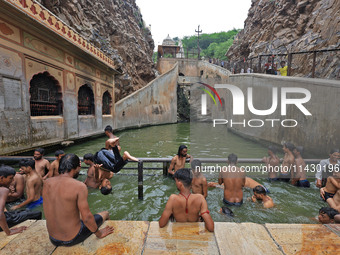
<point x="186" y="207"/>
<point x="234" y="180"/>
<point x="68" y="217"/>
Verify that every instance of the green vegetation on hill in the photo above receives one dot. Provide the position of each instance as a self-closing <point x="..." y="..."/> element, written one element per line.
<point x="212" y="45"/>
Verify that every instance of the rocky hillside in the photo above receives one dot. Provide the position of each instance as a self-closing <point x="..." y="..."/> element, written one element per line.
<point x="116" y="27"/>
<point x="281" y="26"/>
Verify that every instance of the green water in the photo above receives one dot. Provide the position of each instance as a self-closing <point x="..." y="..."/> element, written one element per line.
<point x="293" y="205"/>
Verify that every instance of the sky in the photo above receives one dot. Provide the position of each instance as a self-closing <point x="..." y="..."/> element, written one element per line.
<point x="180" y="18"/>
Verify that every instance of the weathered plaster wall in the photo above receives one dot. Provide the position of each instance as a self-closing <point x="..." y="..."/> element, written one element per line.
<point x="317" y="133"/>
<point x="154" y="104"/>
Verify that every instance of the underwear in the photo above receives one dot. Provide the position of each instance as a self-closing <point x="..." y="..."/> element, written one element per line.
<point x="328" y="195"/>
<point x="303" y="183"/>
<point x="35" y="203"/>
<point x="15" y="217"/>
<point x="232" y="204"/>
<point x="111" y="160"/>
<point x="83" y="233"/>
<point x="284" y="177"/>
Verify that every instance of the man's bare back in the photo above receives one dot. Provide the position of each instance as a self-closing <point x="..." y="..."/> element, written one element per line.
<point x="199" y="185"/>
<point x="233" y="184"/>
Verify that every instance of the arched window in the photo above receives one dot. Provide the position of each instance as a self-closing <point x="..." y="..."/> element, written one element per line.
<point x="85" y="100"/>
<point x="107" y="103"/>
<point x="45" y="95"/>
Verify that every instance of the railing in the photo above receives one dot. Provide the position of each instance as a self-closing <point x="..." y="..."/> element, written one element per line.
<point x="165" y="165"/>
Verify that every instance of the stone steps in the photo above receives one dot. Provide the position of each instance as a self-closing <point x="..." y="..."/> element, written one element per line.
<point x="144" y="237"/>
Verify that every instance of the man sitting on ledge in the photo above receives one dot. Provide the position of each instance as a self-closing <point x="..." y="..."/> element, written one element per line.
<point x="186" y="207"/>
<point x="65" y="202"/>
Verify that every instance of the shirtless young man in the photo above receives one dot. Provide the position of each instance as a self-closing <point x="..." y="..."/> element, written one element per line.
<point x="33" y="185"/>
<point x="322" y="174"/>
<point x="234" y="180"/>
<point x="272" y="164"/>
<point x="55" y="165"/>
<point x="298" y="173"/>
<point x="16" y="188"/>
<point x="178" y="161"/>
<point x="288" y="162"/>
<point x="6" y="177"/>
<point x="199" y="182"/>
<point x="65" y="204"/>
<point x="42" y="166"/>
<point x="186" y="207"/>
<point x="332" y="185"/>
<point x="260" y="194"/>
<point x="97" y="178"/>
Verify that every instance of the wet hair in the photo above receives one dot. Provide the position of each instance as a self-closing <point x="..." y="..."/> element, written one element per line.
<point x="289" y="146"/>
<point x="40" y="150"/>
<point x="196" y="163"/>
<point x="59" y="152"/>
<point x="259" y="190"/>
<point x="68" y="162"/>
<point x="105" y="191"/>
<point x="108" y="128"/>
<point x="272" y="148"/>
<point x="89" y="156"/>
<point x="181" y="147"/>
<point x="27" y="162"/>
<point x="334" y="150"/>
<point x="184" y="175"/>
<point x="329" y="211"/>
<point x="299" y="149"/>
<point x="232" y="158"/>
<point x="6" y="171"/>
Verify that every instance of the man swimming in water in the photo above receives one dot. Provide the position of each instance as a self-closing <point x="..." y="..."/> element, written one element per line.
<point x="288" y="162"/>
<point x="186" y="207"/>
<point x="249" y="183"/>
<point x="178" y="161"/>
<point x="272" y="163"/>
<point x="260" y="194"/>
<point x="234" y="180"/>
<point x="69" y="220"/>
<point x="327" y="215"/>
<point x="96" y="177"/>
<point x="298" y="172"/>
<point x="33" y="187"/>
<point x="199" y="182"/>
<point x="55" y="164"/>
<point x="42" y="166"/>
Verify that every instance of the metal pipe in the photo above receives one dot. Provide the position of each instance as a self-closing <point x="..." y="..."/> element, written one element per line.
<point x="140" y="180"/>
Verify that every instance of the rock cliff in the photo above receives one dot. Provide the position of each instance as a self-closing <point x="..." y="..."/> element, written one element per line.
<point x="117" y="28"/>
<point x="285" y="26"/>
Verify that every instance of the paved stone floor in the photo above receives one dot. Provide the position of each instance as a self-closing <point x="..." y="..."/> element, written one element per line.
<point x="143" y="237"/>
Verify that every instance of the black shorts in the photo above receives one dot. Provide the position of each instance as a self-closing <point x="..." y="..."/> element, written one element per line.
<point x="83" y="233"/>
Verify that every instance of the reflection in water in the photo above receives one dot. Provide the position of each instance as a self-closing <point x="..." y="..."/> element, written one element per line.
<point x="293" y="205"/>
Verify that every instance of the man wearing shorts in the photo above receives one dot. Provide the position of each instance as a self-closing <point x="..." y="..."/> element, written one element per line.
<point x="65" y="201"/>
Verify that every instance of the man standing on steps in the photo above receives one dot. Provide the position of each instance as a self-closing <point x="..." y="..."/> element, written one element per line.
<point x="69" y="220"/>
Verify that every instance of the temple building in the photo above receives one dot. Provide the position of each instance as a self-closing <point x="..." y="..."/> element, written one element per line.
<point x="54" y="84"/>
<point x="168" y="48"/>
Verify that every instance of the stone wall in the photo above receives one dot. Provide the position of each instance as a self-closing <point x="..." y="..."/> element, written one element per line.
<point x="152" y="105"/>
<point x="318" y="133"/>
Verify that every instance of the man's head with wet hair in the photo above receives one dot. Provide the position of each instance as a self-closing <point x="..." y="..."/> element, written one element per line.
<point x="27" y="163"/>
<point x="299" y="149"/>
<point x="180" y="148"/>
<point x="40" y="150"/>
<point x="272" y="149"/>
<point x="68" y="162"/>
<point x="184" y="175"/>
<point x="326" y="215"/>
<point x="109" y="129"/>
<point x="89" y="156"/>
<point x="196" y="165"/>
<point x="289" y="146"/>
<point x="105" y="190"/>
<point x="259" y="190"/>
<point x="6" y="171"/>
<point x="232" y="158"/>
<point x="59" y="152"/>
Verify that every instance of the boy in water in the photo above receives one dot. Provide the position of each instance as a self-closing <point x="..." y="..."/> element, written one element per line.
<point x="178" y="161"/>
<point x="298" y="173"/>
<point x="186" y="207"/>
<point x="332" y="184"/>
<point x="199" y="182"/>
<point x="272" y="163"/>
<point x="260" y="194"/>
<point x="34" y="185"/>
<point x="327" y="215"/>
<point x="55" y="165"/>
